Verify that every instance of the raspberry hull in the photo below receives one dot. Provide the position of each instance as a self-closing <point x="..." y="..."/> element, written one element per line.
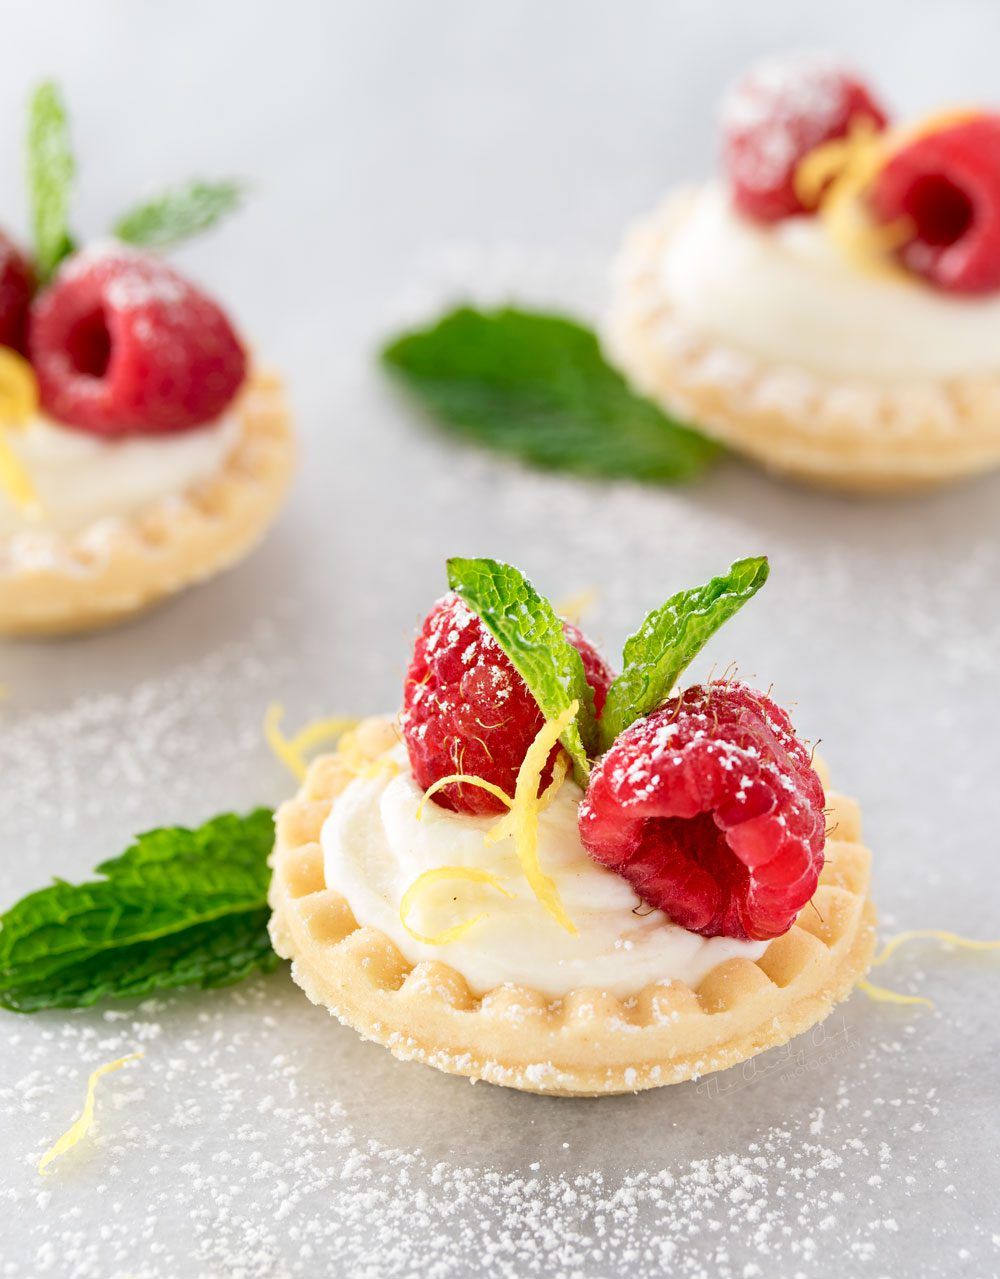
<point x="774" y="116"/>
<point x="467" y="710"/>
<point x="123" y="345"/>
<point x="946" y="187"/>
<point x="710" y="809"/>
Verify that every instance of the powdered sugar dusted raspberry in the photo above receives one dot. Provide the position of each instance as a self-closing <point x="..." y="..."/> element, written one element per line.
<point x="122" y="344"/>
<point x="946" y="187"/>
<point x="710" y="809"/>
<point x="16" y="287"/>
<point x="467" y="710"/>
<point x="774" y="115"/>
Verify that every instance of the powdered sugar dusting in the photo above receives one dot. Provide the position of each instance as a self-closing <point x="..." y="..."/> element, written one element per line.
<point x="777" y="111"/>
<point x="259" y="1139"/>
<point x="276" y="1173"/>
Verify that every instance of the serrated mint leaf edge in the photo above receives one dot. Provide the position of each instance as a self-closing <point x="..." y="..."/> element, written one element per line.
<point x="60" y="903"/>
<point x="645" y="682"/>
<point x="570" y="681"/>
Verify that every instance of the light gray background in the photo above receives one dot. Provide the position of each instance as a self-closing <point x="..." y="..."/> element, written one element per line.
<point x="405" y="154"/>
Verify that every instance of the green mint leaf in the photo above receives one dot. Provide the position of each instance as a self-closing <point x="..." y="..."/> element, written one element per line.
<point x="669" y="640"/>
<point x="218" y="953"/>
<point x="155" y="912"/>
<point x="526" y="627"/>
<point x="50" y="178"/>
<point x="179" y="213"/>
<point x="537" y="387"/>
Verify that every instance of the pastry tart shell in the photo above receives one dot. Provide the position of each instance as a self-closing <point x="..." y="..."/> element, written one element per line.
<point x="858" y="436"/>
<point x="587" y="1043"/>
<point x="55" y="583"/>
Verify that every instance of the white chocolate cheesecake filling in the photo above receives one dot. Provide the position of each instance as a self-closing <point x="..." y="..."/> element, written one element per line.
<point x="374" y="847"/>
<point x="82" y="478"/>
<point x="785" y="294"/>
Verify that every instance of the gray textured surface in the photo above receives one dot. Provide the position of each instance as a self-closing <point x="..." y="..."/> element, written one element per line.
<point x="402" y="153"/>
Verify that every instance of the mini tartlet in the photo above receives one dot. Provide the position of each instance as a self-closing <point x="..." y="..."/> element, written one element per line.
<point x="140" y="452"/>
<point x="831" y="306"/>
<point x="442" y="884"/>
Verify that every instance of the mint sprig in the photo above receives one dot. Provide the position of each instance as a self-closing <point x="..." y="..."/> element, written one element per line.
<point x="51" y="169"/>
<point x="537" y="387"/>
<point x="526" y="627"/>
<point x="668" y="641"/>
<point x="179" y="907"/>
<point x="179" y="213"/>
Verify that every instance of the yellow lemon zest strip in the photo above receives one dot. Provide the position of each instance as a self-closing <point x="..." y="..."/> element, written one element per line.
<point x="466" y="779"/>
<point x="505" y="826"/>
<point x="931" y="934"/>
<point x="283" y="747"/>
<point x="78" y="1130"/>
<point x="18" y="405"/>
<point x="293" y="751"/>
<point x="525" y="810"/>
<point x="470" y="873"/>
<point x="318" y="731"/>
<point x="834" y="176"/>
<point x="820" y="166"/>
<point x="572" y="607"/>
<point x="883" y="996"/>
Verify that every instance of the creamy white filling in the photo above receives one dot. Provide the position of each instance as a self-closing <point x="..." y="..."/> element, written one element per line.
<point x="81" y="478"/>
<point x="785" y="294"/>
<point x="374" y="847"/>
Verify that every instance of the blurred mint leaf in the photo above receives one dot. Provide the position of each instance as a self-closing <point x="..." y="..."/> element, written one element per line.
<point x="178" y="907"/>
<point x="179" y="213"/>
<point x="526" y="627"/>
<point x="669" y="640"/>
<point x="537" y="387"/>
<point x="51" y="169"/>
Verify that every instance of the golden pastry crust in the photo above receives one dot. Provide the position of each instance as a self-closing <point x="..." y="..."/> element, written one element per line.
<point x="588" y="1043"/>
<point x="57" y="583"/>
<point x="856" y="436"/>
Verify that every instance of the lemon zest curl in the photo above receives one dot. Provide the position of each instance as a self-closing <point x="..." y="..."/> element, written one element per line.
<point x="952" y="940"/>
<point x="504" y="828"/>
<point x="471" y="874"/>
<point x="18" y="405"/>
<point x="463" y="779"/>
<point x="835" y="177"/>
<point x="81" y="1126"/>
<point x="882" y="995"/>
<point x="524" y="814"/>
<point x="931" y="934"/>
<point x="293" y="751"/>
<point x="521" y="822"/>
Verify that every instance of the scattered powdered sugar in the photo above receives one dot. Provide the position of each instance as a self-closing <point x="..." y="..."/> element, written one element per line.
<point x="203" y="1162"/>
<point x="148" y="753"/>
<point x="257" y="1139"/>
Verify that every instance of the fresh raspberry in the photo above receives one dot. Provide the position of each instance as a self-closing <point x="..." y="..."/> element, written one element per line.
<point x="775" y="115"/>
<point x="466" y="709"/>
<point x="16" y="287"/>
<point x="123" y="345"/>
<point x="947" y="184"/>
<point x="711" y="811"/>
